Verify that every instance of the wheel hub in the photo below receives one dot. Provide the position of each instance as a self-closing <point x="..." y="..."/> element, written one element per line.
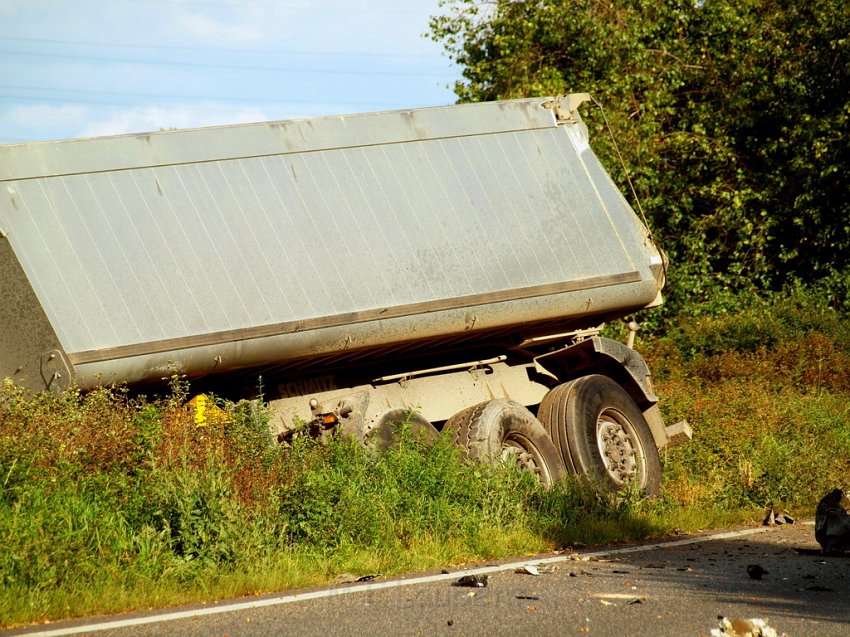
<point x="617" y="449"/>
<point x="513" y="451"/>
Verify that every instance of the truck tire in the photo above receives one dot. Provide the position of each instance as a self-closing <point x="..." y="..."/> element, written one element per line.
<point x="503" y="430"/>
<point x="602" y="434"/>
<point x="552" y="410"/>
<point x="383" y="433"/>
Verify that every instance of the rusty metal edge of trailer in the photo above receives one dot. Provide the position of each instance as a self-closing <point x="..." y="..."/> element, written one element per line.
<point x="200" y="340"/>
<point x="267" y="351"/>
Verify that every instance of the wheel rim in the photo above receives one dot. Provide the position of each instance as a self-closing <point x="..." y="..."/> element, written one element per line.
<point x="521" y="451"/>
<point x="620" y="448"/>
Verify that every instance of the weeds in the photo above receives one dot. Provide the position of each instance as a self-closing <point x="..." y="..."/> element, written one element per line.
<point x="766" y="391"/>
<point x="164" y="511"/>
<point x="109" y="502"/>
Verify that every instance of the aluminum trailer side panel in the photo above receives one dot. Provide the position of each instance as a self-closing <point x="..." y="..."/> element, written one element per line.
<point x="241" y="245"/>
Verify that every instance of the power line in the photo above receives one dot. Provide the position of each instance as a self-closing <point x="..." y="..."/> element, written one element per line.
<point x="72" y="101"/>
<point x="222" y="99"/>
<point x="156" y="47"/>
<point x="240" y="67"/>
<point x="343" y="7"/>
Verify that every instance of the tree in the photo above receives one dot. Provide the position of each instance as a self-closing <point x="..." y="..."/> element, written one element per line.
<point x="732" y="117"/>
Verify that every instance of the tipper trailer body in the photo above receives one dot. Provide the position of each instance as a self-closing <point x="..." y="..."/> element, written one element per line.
<point x="413" y="260"/>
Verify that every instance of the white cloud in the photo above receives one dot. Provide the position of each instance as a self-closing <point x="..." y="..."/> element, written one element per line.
<point x="50" y="121"/>
<point x="241" y="24"/>
<point x="207" y="29"/>
<point x="154" y="118"/>
<point x="30" y="115"/>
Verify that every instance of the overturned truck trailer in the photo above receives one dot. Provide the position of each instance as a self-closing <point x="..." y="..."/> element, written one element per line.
<point x="446" y="266"/>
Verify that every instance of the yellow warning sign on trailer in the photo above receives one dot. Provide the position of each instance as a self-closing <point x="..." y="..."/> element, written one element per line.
<point x="206" y="412"/>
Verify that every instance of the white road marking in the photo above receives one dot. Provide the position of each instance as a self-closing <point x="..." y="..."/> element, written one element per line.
<point x="375" y="586"/>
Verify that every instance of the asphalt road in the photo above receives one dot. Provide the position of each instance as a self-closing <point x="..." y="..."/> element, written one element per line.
<point x="676" y="589"/>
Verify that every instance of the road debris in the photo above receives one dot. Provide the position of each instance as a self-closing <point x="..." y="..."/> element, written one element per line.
<point x="348" y="578"/>
<point x="345" y="578"/>
<point x="832" y="523"/>
<point x="755" y="571"/>
<point x="772" y="518"/>
<point x="744" y="628"/>
<point x="535" y="569"/>
<point x="533" y="598"/>
<point x="619" y="599"/>
<point x="472" y="581"/>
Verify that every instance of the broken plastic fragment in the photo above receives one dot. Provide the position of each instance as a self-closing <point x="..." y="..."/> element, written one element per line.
<point x="772" y="518"/>
<point x="743" y="628"/>
<point x="473" y="581"/>
<point x="755" y="571"/>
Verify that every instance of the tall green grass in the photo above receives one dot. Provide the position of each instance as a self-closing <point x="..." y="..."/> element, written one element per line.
<point x="110" y="502"/>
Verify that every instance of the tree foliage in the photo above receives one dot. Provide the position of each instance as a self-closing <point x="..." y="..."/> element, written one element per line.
<point x="732" y="118"/>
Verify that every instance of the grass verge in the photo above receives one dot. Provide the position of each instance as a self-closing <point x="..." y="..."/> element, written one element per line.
<point x="110" y="502"/>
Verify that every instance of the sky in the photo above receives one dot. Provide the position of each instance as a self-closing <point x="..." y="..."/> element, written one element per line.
<point x="82" y="68"/>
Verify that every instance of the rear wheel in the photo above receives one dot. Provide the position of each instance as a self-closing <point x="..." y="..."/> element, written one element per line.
<point x="502" y="430"/>
<point x="602" y="434"/>
<point x="383" y="434"/>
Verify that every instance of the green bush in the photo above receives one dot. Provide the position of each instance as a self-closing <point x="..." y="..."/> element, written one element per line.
<point x="766" y="391"/>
